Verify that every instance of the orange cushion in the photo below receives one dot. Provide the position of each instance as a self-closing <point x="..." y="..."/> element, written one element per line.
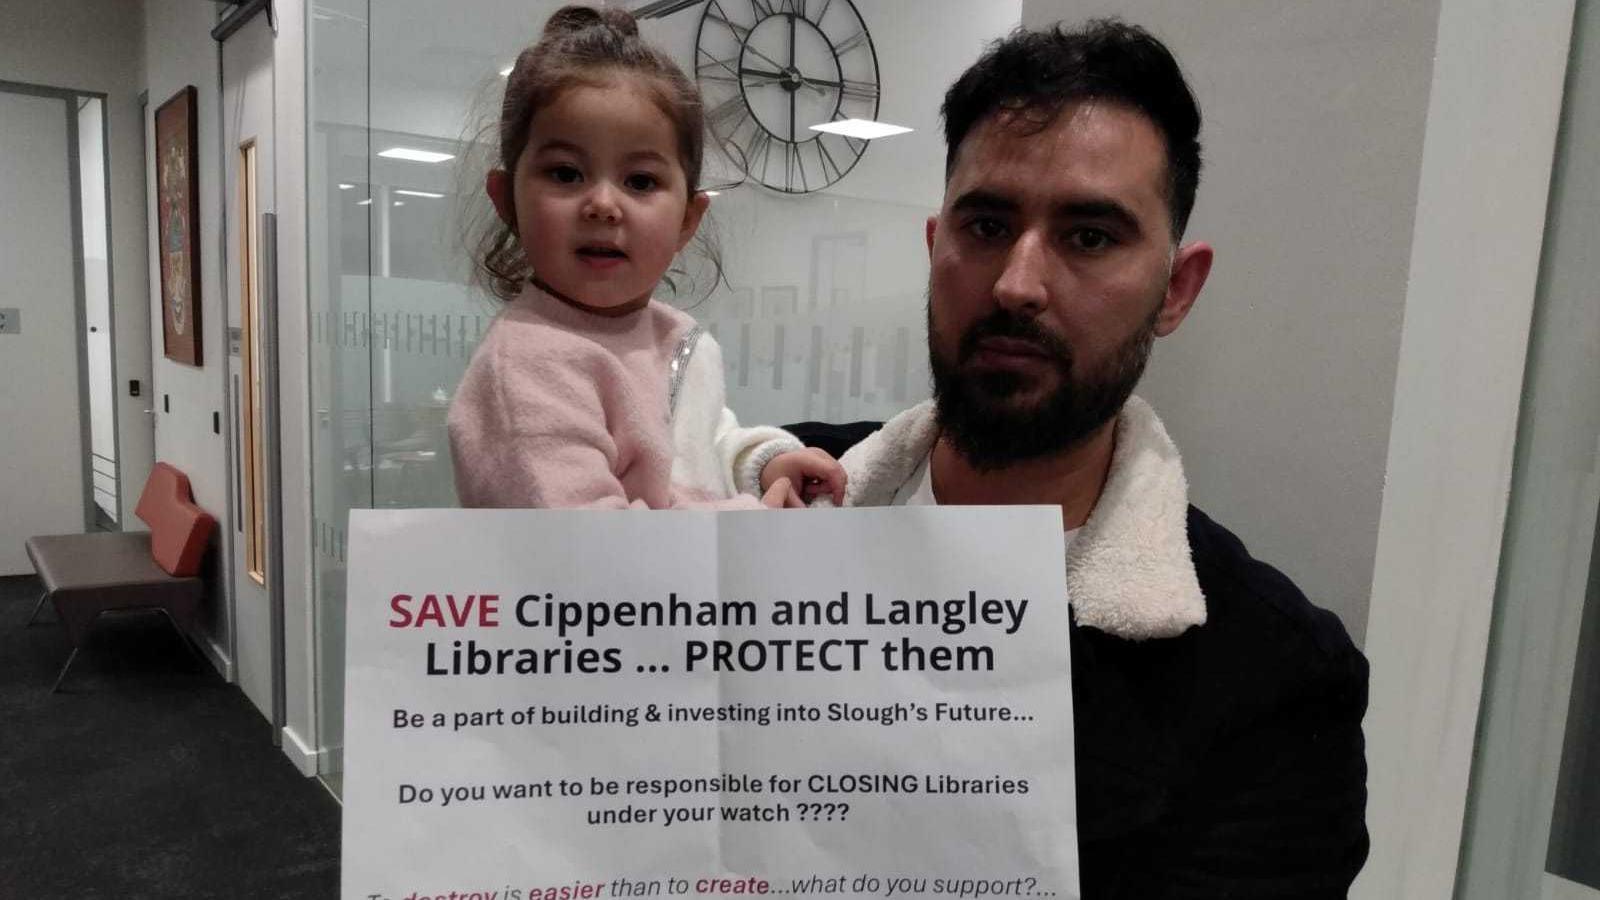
<point x="178" y="529"/>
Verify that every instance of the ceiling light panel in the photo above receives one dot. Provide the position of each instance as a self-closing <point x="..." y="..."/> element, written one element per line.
<point x="864" y="129"/>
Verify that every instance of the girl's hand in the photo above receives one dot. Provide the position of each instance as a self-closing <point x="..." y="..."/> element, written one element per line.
<point x="815" y="472"/>
<point x="781" y="495"/>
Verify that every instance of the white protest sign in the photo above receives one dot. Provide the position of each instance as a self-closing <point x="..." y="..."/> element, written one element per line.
<point x="565" y="705"/>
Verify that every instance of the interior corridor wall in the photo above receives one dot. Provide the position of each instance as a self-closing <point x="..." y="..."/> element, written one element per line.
<point x="179" y="51"/>
<point x="93" y="46"/>
<point x="1279" y="386"/>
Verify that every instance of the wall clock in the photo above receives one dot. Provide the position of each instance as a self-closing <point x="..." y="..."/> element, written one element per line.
<point x="770" y="69"/>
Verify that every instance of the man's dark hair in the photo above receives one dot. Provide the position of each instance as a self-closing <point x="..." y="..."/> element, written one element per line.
<point x="1036" y="73"/>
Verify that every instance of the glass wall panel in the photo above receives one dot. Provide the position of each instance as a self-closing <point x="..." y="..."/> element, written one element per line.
<point x="819" y="311"/>
<point x="1534" y="807"/>
<point x="341" y="445"/>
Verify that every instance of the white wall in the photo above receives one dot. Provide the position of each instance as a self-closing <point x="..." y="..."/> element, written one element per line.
<point x="179" y="51"/>
<point x="1278" y="386"/>
<point x="94" y="46"/>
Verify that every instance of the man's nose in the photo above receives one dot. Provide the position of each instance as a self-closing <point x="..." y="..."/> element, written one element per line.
<point x="1021" y="287"/>
<point x="600" y="204"/>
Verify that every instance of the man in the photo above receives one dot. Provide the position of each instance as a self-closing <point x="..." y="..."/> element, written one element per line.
<point x="1218" y="713"/>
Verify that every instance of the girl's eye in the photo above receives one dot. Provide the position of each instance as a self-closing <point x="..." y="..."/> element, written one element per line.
<point x="641" y="181"/>
<point x="565" y="174"/>
<point x="1091" y="240"/>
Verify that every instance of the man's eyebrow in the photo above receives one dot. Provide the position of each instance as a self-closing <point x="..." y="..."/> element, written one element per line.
<point x="980" y="200"/>
<point x="1106" y="210"/>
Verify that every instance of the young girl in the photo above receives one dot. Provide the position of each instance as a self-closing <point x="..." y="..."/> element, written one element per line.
<point x="585" y="391"/>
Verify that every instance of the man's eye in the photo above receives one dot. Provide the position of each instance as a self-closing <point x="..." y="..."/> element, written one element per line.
<point x="1090" y="240"/>
<point x="565" y="174"/>
<point x="986" y="228"/>
<point x="642" y="181"/>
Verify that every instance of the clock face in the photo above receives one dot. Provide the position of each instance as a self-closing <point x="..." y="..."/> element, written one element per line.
<point x="771" y="69"/>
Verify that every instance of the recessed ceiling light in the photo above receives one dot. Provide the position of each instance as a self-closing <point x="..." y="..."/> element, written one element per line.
<point x="411" y="193"/>
<point x="865" y="129"/>
<point x="399" y="203"/>
<point x="366" y="202"/>
<point x="407" y="153"/>
<point x="506" y="72"/>
<point x="713" y="193"/>
<point x="345" y="187"/>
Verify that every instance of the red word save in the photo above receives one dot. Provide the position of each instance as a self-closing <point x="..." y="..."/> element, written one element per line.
<point x="473" y="609"/>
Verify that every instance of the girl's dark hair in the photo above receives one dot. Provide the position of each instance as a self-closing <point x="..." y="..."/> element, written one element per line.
<point x="582" y="46"/>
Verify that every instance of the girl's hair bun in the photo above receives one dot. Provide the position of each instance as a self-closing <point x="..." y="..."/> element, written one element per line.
<point x="573" y="19"/>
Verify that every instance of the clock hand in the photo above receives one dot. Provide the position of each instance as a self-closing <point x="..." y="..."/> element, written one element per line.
<point x="862" y="90"/>
<point x="771" y="77"/>
<point x="765" y="58"/>
<point x="792" y="69"/>
<point x="765" y="76"/>
<point x="776" y="65"/>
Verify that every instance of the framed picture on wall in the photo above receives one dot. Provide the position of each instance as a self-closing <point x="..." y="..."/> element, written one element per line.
<point x="177" y="222"/>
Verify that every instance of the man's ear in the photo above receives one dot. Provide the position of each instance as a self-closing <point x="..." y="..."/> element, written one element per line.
<point x="497" y="184"/>
<point x="699" y="202"/>
<point x="1190" y="266"/>
<point x="932" y="229"/>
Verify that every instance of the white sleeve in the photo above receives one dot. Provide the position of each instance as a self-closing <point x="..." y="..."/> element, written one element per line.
<point x="746" y="451"/>
<point x="713" y="450"/>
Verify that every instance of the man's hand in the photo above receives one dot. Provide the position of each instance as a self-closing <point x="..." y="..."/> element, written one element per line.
<point x="812" y="470"/>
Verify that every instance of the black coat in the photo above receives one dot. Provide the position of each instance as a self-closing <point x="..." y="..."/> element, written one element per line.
<point x="1228" y="761"/>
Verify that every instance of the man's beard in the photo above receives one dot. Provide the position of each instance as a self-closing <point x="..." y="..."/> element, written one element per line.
<point x="976" y="410"/>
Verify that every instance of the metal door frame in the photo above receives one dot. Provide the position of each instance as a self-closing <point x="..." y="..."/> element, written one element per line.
<point x="230" y="22"/>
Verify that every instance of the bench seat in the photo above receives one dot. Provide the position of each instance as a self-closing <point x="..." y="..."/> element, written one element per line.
<point x="87" y="575"/>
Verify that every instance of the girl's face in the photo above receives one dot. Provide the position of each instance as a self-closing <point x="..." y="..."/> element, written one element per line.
<point x="599" y="197"/>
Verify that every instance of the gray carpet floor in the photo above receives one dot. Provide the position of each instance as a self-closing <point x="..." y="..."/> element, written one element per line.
<point x="148" y="776"/>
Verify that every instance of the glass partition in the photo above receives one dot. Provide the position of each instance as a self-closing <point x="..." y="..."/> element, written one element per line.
<point x="1534" y="806"/>
<point x="820" y="311"/>
<point x="340" y="306"/>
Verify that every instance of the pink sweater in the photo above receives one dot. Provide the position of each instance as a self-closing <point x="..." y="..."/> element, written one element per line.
<point x="564" y="408"/>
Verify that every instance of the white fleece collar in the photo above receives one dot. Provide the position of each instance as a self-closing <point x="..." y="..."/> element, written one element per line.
<point x="1129" y="571"/>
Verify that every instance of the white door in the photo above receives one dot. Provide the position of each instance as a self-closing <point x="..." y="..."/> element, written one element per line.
<point x="247" y="109"/>
<point x="41" y="440"/>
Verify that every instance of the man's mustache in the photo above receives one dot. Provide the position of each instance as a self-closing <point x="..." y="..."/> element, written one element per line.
<point x="1004" y="324"/>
